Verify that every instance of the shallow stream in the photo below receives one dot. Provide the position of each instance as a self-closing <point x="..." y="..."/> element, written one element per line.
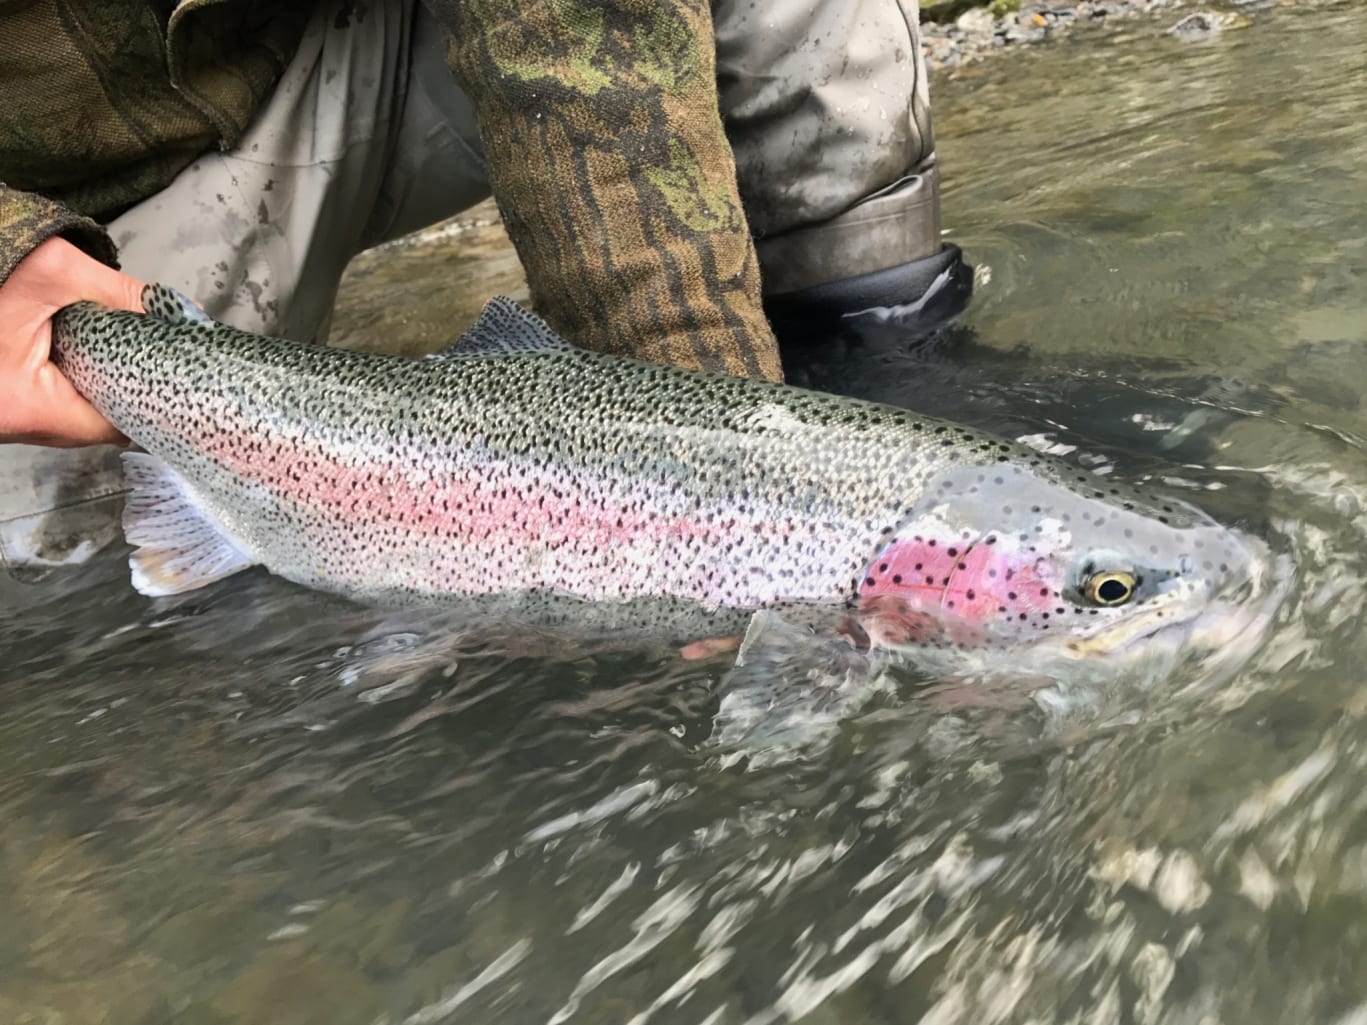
<point x="258" y="805"/>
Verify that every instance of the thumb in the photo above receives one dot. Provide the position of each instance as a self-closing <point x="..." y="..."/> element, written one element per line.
<point x="89" y="279"/>
<point x="57" y="273"/>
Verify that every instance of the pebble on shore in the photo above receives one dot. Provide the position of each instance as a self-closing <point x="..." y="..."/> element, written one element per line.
<point x="979" y="31"/>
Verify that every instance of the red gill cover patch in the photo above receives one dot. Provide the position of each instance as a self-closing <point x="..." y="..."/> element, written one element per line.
<point x="923" y="589"/>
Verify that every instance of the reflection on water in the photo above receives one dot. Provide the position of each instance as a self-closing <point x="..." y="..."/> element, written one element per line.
<point x="257" y="804"/>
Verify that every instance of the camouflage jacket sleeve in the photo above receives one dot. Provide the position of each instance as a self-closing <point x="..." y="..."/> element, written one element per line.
<point x="613" y="174"/>
<point x="26" y="219"/>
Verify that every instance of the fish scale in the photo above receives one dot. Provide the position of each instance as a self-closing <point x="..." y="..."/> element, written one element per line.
<point x="517" y="465"/>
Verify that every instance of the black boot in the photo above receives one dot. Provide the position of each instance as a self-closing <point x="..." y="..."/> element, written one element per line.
<point x="914" y="299"/>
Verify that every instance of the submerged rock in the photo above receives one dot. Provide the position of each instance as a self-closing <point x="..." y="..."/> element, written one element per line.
<point x="1199" y="26"/>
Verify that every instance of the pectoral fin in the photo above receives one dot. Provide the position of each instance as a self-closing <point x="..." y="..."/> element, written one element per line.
<point x="791" y="687"/>
<point x="179" y="548"/>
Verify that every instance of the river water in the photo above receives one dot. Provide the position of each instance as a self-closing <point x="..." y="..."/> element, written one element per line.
<point x="263" y="805"/>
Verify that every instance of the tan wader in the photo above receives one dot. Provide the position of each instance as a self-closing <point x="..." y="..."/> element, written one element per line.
<point x="367" y="137"/>
<point x="828" y="113"/>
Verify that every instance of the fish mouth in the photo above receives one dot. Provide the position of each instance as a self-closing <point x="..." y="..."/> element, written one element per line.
<point x="1134" y="630"/>
<point x="1227" y="626"/>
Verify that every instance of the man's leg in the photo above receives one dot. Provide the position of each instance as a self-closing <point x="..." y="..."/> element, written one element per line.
<point x="366" y="137"/>
<point x="260" y="235"/>
<point x="827" y="110"/>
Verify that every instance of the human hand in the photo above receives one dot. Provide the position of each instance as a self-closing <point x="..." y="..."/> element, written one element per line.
<point x="38" y="406"/>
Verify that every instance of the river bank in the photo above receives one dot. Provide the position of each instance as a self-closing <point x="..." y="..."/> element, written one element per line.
<point x="979" y="32"/>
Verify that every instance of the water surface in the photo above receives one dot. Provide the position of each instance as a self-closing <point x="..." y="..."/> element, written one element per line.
<point x="257" y="804"/>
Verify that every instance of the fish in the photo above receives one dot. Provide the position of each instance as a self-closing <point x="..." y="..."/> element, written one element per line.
<point x="528" y="480"/>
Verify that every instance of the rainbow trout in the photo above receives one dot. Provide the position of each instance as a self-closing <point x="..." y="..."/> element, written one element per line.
<point x="550" y="485"/>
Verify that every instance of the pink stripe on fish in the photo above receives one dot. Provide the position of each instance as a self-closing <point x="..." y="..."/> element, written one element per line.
<point x="490" y="525"/>
<point x="487" y="498"/>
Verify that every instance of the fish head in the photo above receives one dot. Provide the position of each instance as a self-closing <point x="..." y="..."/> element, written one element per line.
<point x="1011" y="584"/>
<point x="1052" y="568"/>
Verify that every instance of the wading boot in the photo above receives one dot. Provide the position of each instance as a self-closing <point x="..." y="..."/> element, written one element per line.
<point x="827" y="110"/>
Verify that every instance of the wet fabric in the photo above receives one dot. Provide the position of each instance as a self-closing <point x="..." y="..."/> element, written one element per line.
<point x="366" y="137"/>
<point x="648" y="233"/>
<point x="612" y="171"/>
<point x="105" y="103"/>
<point x="260" y="234"/>
<point x="828" y="112"/>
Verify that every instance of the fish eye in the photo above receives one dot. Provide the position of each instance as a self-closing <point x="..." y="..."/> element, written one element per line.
<point x="1115" y="588"/>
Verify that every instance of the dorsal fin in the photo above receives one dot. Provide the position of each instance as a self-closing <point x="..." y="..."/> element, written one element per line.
<point x="505" y="328"/>
<point x="165" y="303"/>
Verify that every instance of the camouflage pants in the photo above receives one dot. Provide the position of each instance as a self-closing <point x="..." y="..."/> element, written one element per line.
<point x="367" y="137"/>
<point x="825" y="105"/>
